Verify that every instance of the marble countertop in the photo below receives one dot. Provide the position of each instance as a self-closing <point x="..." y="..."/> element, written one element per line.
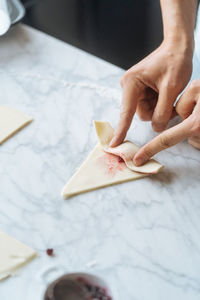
<point x="141" y="237"/>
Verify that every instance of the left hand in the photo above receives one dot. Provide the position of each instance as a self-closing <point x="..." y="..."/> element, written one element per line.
<point x="188" y="107"/>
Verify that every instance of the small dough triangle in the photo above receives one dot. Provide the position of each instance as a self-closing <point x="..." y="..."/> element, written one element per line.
<point x="13" y="255"/>
<point x="107" y="166"/>
<point x="11" y="121"/>
<point x="99" y="170"/>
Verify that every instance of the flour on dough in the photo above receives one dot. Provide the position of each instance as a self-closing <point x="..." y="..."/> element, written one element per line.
<point x="126" y="150"/>
<point x="11" y="121"/>
<point x="13" y="255"/>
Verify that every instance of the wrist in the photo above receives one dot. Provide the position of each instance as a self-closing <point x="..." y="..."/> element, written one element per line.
<point x="181" y="42"/>
<point x="178" y="23"/>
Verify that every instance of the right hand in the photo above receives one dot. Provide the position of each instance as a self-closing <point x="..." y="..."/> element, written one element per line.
<point x="151" y="87"/>
<point x="188" y="108"/>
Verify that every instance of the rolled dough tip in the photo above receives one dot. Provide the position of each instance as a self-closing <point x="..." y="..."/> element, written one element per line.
<point x="157" y="171"/>
<point x="160" y="169"/>
<point x="62" y="194"/>
<point x="65" y="195"/>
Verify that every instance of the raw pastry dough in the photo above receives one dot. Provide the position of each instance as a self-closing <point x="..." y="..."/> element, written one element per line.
<point x="13" y="255"/>
<point x="103" y="169"/>
<point x="126" y="150"/>
<point x="99" y="170"/>
<point x="11" y="121"/>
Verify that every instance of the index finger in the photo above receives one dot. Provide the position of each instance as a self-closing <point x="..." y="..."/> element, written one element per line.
<point x="131" y="93"/>
<point x="166" y="139"/>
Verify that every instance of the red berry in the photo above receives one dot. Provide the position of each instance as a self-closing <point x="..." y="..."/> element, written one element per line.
<point x="49" y="252"/>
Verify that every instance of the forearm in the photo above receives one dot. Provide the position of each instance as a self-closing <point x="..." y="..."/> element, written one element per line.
<point x="179" y="18"/>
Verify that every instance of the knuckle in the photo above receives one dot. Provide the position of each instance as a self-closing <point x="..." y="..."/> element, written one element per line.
<point x="120" y="137"/>
<point x="195" y="142"/>
<point x="128" y="76"/>
<point x="122" y="81"/>
<point x="124" y="115"/>
<point x="195" y="125"/>
<point x="170" y="85"/>
<point x="147" y="152"/>
<point x="164" y="142"/>
<point x="195" y="85"/>
<point x="126" y="111"/>
<point x="159" y="116"/>
<point x="159" y="123"/>
<point x="125" y="78"/>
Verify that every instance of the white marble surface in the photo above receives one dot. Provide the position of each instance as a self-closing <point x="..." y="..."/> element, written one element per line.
<point x="142" y="236"/>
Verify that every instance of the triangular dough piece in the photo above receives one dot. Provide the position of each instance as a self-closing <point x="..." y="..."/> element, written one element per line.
<point x="13" y="255"/>
<point x="11" y="121"/>
<point x="102" y="168"/>
<point x="99" y="170"/>
<point x="126" y="150"/>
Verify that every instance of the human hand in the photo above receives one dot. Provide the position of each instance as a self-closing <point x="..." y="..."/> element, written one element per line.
<point x="188" y="107"/>
<point x="151" y="87"/>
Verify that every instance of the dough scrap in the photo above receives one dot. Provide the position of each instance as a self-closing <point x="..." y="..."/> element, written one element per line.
<point x="11" y="121"/>
<point x="126" y="150"/>
<point x="13" y="255"/>
<point x="99" y="170"/>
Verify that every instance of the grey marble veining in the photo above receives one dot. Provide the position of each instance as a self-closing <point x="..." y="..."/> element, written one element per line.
<point x="141" y="237"/>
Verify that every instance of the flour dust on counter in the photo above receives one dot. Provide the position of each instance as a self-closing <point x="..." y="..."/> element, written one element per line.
<point x="107" y="166"/>
<point x="13" y="255"/>
<point x="11" y="121"/>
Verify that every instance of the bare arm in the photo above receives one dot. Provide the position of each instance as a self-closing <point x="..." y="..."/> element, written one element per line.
<point x="179" y="18"/>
